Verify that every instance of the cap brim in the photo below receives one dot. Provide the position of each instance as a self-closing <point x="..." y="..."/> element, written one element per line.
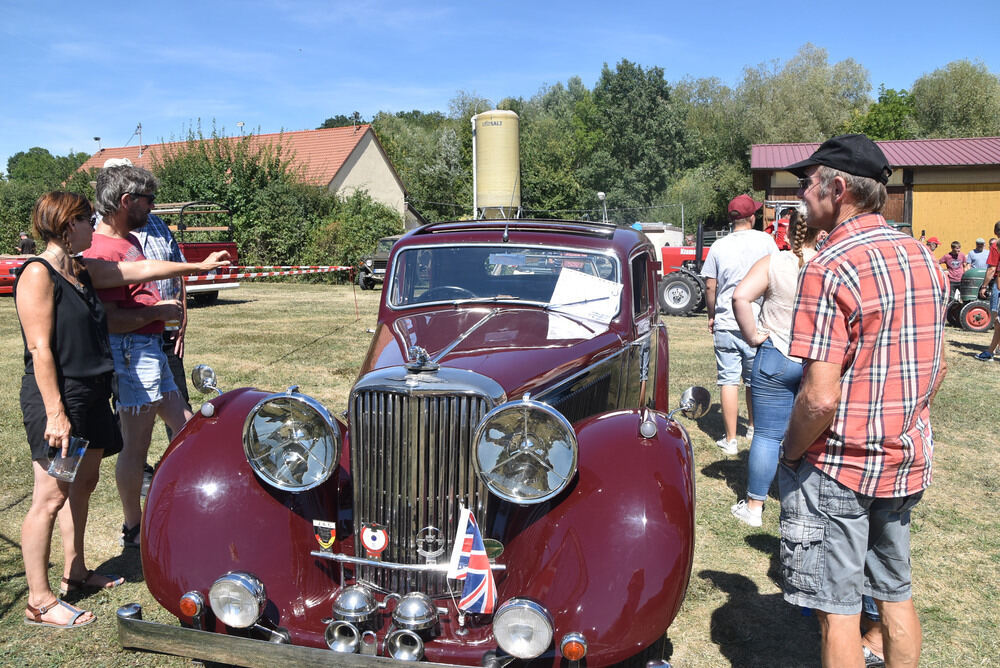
<point x="800" y="167"/>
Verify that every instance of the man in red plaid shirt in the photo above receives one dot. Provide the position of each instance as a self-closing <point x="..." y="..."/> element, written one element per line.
<point x="869" y="323"/>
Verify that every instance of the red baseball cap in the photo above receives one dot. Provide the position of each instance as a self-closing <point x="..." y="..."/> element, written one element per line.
<point x="742" y="206"/>
<point x="934" y="240"/>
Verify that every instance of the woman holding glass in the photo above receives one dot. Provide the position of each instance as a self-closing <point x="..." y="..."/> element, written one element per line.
<point x="66" y="389"/>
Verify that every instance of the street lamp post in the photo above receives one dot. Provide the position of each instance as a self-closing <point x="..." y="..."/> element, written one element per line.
<point x="604" y="205"/>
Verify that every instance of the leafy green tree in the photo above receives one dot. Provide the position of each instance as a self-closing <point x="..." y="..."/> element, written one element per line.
<point x="961" y="99"/>
<point x="891" y="117"/>
<point x="352" y="228"/>
<point x="340" y="121"/>
<point x="16" y="201"/>
<point x="644" y="140"/>
<point x="39" y="167"/>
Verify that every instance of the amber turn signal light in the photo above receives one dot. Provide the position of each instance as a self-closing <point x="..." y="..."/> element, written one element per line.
<point x="192" y="604"/>
<point x="573" y="647"/>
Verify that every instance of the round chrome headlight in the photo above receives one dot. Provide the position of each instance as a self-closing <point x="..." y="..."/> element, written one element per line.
<point x="525" y="451"/>
<point x="238" y="599"/>
<point x="291" y="441"/>
<point x="522" y="628"/>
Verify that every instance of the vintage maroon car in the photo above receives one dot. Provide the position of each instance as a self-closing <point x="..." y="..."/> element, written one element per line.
<point x="505" y="484"/>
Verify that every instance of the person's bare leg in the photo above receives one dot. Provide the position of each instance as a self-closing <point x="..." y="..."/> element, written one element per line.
<point x="137" y="430"/>
<point x="730" y="408"/>
<point x="901" y="633"/>
<point x="749" y="408"/>
<point x="841" y="640"/>
<point x="47" y="497"/>
<point x="995" y="341"/>
<point x="174" y="411"/>
<point x="73" y="515"/>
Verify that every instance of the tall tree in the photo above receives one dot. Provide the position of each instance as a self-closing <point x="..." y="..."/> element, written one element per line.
<point x="340" y="121"/>
<point x="891" y="117"/>
<point x="961" y="99"/>
<point x="39" y="167"/>
<point x="644" y="140"/>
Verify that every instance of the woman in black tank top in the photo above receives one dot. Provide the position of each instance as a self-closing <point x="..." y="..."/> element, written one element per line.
<point x="66" y="391"/>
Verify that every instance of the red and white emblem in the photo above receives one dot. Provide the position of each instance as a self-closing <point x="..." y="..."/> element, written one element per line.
<point x="375" y="539"/>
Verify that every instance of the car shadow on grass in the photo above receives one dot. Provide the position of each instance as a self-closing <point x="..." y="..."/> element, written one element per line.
<point x="753" y="629"/>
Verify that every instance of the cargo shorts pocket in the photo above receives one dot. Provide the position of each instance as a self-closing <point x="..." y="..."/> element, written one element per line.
<point x="802" y="553"/>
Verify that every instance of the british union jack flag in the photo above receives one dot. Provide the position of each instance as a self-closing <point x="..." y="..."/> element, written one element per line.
<point x="470" y="563"/>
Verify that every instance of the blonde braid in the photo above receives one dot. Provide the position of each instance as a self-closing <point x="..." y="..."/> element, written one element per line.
<point x="798" y="232"/>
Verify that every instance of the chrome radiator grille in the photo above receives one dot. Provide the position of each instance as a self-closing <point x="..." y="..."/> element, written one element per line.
<point x="412" y="465"/>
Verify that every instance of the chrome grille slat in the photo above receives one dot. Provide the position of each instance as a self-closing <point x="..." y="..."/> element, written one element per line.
<point x="412" y="464"/>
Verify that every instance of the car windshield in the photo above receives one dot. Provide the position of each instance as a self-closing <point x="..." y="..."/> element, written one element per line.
<point x="549" y="276"/>
<point x="384" y="246"/>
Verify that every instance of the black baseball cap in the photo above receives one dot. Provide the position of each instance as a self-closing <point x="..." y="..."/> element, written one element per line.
<point x="853" y="154"/>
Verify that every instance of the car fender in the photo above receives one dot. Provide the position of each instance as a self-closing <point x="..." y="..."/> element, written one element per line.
<point x="611" y="557"/>
<point x="207" y="513"/>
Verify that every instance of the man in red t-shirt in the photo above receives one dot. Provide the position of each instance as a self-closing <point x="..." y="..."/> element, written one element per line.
<point x="136" y="315"/>
<point x="956" y="265"/>
<point x="990" y="290"/>
<point x="781" y="235"/>
<point x="869" y="325"/>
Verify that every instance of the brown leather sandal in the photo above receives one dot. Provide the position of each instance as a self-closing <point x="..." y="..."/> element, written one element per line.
<point x="69" y="585"/>
<point x="34" y="616"/>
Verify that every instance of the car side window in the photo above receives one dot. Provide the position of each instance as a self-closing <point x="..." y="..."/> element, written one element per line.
<point x="640" y="289"/>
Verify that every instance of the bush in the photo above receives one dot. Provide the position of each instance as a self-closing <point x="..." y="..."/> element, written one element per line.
<point x="355" y="224"/>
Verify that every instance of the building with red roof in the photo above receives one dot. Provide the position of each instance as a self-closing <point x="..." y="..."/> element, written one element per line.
<point x="340" y="159"/>
<point x="945" y="188"/>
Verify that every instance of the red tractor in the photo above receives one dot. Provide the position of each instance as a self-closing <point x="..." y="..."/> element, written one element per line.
<point x="681" y="291"/>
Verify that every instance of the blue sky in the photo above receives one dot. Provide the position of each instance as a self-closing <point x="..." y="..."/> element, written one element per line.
<point x="72" y="70"/>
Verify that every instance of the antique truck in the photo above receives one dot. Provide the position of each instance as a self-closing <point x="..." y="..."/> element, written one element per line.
<point x="507" y="483"/>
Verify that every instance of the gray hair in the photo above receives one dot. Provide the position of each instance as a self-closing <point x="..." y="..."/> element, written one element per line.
<point x="113" y="182"/>
<point x="869" y="194"/>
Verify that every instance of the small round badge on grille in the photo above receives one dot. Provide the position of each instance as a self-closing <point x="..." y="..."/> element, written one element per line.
<point x="430" y="544"/>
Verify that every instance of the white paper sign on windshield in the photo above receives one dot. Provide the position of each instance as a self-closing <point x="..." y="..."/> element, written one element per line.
<point x="586" y="296"/>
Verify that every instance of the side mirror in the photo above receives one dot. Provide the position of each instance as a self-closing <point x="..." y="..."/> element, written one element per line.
<point x="695" y="402"/>
<point x="203" y="379"/>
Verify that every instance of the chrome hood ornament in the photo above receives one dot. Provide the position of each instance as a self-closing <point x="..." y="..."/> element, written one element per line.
<point x="420" y="360"/>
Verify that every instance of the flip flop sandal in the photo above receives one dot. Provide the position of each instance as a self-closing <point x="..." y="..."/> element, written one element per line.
<point x="36" y="616"/>
<point x="69" y="585"/>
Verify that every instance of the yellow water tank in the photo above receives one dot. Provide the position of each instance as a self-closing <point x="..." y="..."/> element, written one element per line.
<point x="497" y="164"/>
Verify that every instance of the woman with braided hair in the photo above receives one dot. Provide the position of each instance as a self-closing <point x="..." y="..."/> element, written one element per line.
<point x="65" y="391"/>
<point x="776" y="376"/>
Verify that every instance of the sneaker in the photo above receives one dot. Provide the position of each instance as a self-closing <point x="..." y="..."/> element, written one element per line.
<point x="130" y="537"/>
<point x="147" y="478"/>
<point x="743" y="513"/>
<point x="985" y="356"/>
<point x="872" y="660"/>
<point x="728" y="447"/>
<point x="750" y="433"/>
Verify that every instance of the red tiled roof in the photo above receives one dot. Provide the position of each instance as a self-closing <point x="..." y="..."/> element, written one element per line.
<point x="901" y="153"/>
<point x="319" y="153"/>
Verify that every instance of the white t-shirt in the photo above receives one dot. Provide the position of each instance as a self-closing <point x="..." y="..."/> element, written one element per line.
<point x="729" y="259"/>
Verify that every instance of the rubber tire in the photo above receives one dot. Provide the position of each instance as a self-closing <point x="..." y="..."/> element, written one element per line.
<point x="679" y="293"/>
<point x="955" y="314"/>
<point x="975" y="316"/>
<point x="364" y="282"/>
<point x="205" y="298"/>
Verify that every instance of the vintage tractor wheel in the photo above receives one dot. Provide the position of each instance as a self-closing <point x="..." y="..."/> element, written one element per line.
<point x="975" y="316"/>
<point x="679" y="293"/>
<point x="955" y="313"/>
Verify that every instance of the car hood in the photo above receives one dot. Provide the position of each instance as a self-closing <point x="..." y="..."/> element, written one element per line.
<point x="521" y="348"/>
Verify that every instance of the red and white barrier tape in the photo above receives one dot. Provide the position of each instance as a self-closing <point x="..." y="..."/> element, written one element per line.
<point x="239" y="273"/>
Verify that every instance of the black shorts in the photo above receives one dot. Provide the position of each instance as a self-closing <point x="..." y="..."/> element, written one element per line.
<point x="87" y="403"/>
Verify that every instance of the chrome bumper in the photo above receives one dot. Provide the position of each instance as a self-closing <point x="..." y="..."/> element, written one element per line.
<point x="134" y="633"/>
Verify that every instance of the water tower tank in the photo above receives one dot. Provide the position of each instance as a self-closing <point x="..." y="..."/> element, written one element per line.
<point x="496" y="164"/>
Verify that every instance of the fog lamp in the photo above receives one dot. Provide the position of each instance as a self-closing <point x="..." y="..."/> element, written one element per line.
<point x="238" y="599"/>
<point x="522" y="628"/>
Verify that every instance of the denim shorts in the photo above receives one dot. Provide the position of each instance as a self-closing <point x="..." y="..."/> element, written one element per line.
<point x="733" y="357"/>
<point x="837" y="544"/>
<point x="994" y="297"/>
<point x="141" y="369"/>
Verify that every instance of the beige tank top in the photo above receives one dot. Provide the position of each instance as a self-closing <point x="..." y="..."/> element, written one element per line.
<point x="779" y="299"/>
